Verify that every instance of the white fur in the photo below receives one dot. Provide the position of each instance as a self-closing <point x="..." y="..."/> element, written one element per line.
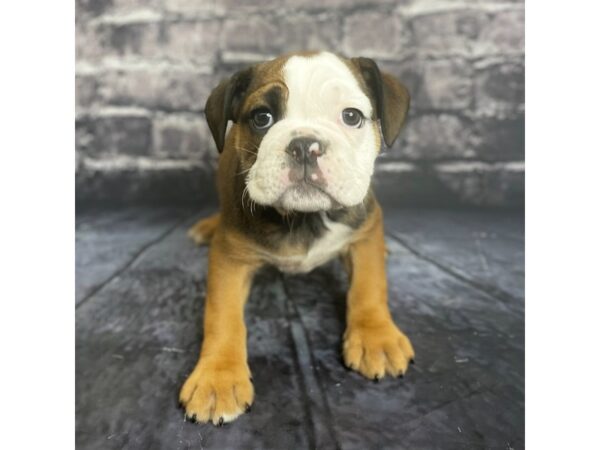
<point x="335" y="239"/>
<point x="320" y="87"/>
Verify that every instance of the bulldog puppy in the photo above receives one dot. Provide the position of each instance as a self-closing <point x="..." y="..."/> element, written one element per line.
<point x="294" y="187"/>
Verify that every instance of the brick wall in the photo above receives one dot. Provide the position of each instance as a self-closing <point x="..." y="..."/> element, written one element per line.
<point x="145" y="69"/>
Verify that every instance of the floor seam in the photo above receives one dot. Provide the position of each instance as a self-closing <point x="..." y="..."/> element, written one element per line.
<point x="326" y="408"/>
<point x="492" y="291"/>
<point x="131" y="261"/>
<point x="311" y="429"/>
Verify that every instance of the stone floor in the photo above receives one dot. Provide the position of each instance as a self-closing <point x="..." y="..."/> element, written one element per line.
<point x="456" y="288"/>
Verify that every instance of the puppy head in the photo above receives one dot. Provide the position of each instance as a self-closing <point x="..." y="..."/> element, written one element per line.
<point x="306" y="128"/>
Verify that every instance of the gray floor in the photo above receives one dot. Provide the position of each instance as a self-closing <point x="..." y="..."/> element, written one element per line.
<point x="456" y="289"/>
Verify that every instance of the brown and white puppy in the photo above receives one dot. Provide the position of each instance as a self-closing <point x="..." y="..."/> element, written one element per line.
<point x="294" y="186"/>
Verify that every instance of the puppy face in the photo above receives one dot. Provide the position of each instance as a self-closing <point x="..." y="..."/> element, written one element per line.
<point x="306" y="128"/>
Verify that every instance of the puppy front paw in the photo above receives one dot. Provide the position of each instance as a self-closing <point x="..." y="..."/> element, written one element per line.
<point x="375" y="350"/>
<point x="217" y="394"/>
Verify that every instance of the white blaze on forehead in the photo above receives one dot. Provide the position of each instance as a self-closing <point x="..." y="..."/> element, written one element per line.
<point x="322" y="85"/>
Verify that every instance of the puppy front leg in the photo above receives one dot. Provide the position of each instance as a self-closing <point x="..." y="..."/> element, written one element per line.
<point x="220" y="387"/>
<point x="373" y="345"/>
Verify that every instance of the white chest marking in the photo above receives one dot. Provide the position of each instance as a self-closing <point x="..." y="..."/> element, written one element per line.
<point x="334" y="240"/>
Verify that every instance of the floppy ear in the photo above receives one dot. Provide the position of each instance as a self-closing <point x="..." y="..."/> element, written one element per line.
<point x="390" y="98"/>
<point x="224" y="102"/>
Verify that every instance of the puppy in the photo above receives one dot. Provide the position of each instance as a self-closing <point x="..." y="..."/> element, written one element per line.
<point x="294" y="187"/>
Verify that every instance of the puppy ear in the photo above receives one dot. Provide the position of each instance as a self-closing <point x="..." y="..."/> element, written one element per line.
<point x="390" y="98"/>
<point x="224" y="102"/>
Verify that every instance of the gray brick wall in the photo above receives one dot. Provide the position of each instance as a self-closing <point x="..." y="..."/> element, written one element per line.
<point x="145" y="68"/>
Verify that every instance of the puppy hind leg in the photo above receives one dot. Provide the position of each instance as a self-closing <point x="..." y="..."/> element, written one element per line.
<point x="203" y="230"/>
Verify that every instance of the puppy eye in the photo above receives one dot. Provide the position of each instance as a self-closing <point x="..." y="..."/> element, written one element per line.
<point x="262" y="119"/>
<point x="352" y="117"/>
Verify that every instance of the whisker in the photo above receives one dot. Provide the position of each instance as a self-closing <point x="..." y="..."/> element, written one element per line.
<point x="251" y="202"/>
<point x="247" y="151"/>
<point x="250" y="150"/>
<point x="244" y="192"/>
<point x="244" y="171"/>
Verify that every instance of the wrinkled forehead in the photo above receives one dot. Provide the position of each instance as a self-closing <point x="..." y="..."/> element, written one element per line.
<point x="322" y="83"/>
<point x="310" y="85"/>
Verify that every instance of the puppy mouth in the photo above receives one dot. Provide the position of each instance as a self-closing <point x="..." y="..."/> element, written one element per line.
<point x="304" y="187"/>
<point x="312" y="197"/>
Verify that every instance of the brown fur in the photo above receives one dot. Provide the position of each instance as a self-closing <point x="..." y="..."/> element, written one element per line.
<point x="220" y="386"/>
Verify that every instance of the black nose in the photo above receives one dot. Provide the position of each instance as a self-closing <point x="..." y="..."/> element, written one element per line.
<point x="305" y="150"/>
